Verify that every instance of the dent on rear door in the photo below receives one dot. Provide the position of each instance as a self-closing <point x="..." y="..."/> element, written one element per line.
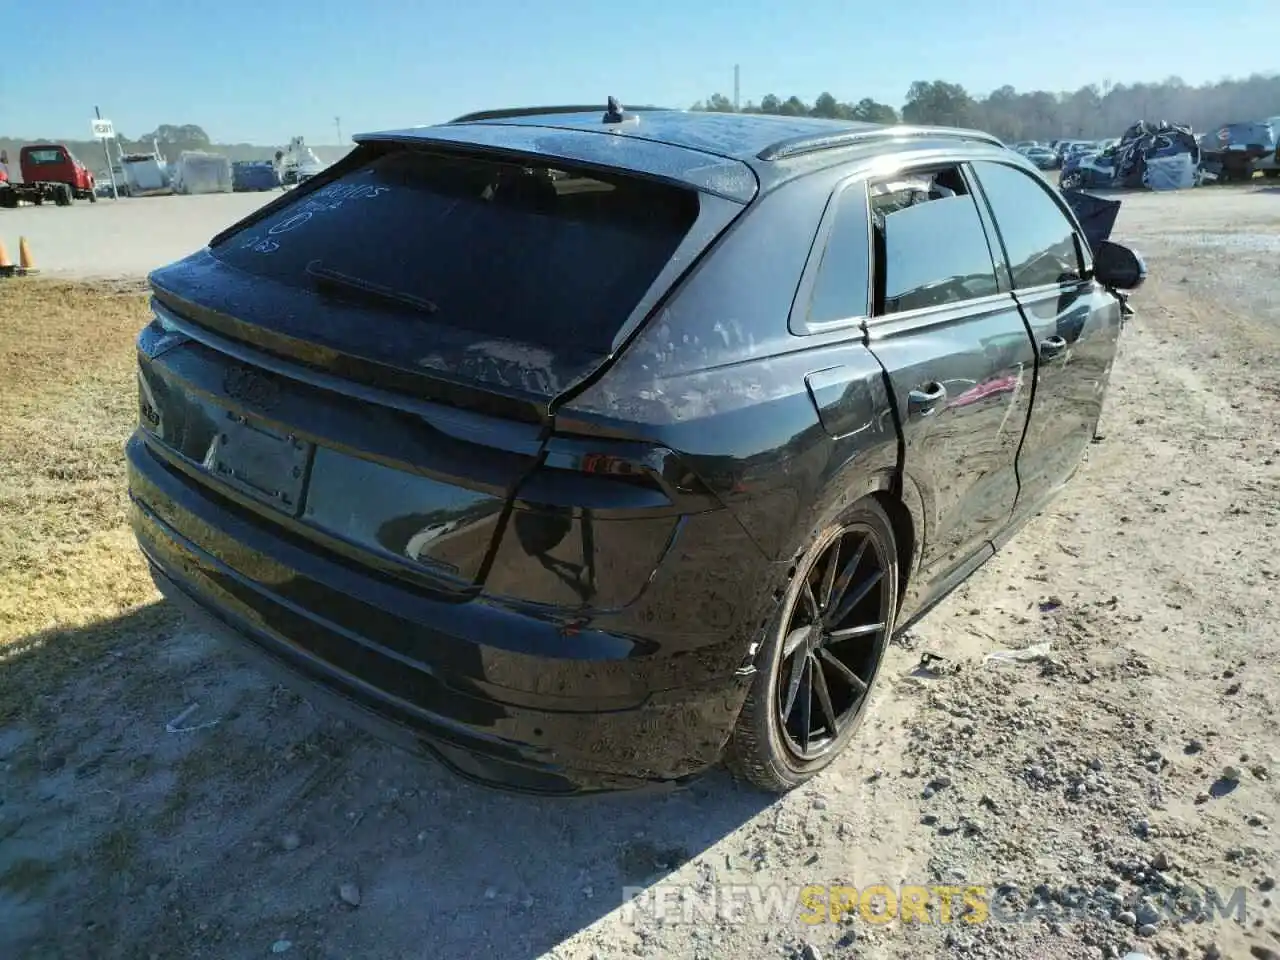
<point x="959" y="450"/>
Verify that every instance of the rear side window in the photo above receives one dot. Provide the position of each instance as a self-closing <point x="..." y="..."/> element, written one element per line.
<point x="931" y="248"/>
<point x="534" y="254"/>
<point x="1038" y="237"/>
<point x="840" y="289"/>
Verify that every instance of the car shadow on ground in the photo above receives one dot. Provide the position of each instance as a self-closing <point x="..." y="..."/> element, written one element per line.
<point x="160" y="797"/>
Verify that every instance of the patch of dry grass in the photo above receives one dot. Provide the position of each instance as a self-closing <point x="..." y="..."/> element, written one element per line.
<point x="67" y="405"/>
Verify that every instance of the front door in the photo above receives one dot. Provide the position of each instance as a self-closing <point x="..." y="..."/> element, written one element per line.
<point x="1075" y="325"/>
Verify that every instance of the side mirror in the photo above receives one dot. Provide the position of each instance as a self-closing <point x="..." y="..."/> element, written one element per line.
<point x="1117" y="267"/>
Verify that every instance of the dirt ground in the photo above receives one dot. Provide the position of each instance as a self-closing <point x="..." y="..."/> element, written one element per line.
<point x="160" y="800"/>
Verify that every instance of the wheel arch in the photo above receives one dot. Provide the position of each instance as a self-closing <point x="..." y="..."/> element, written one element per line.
<point x="904" y="536"/>
<point x="902" y="501"/>
<point x="753" y="750"/>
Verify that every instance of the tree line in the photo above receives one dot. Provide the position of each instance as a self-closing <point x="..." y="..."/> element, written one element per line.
<point x="1094" y="111"/>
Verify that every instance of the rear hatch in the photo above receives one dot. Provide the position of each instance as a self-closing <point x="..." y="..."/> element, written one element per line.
<point x="389" y="341"/>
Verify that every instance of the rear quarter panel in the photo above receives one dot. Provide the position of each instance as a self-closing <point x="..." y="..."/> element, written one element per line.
<point x="718" y="377"/>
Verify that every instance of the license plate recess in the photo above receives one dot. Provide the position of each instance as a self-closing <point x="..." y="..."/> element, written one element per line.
<point x="268" y="465"/>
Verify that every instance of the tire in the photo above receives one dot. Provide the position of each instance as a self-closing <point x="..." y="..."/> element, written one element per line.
<point x="93" y="195"/>
<point x="763" y="748"/>
<point x="70" y="193"/>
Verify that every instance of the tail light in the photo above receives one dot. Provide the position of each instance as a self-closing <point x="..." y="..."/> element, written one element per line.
<point x="652" y="476"/>
<point x="592" y="523"/>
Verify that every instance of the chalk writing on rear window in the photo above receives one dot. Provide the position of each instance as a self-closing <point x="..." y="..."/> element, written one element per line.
<point x="327" y="198"/>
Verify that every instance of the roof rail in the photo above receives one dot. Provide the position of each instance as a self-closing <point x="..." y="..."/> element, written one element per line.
<point x="813" y="143"/>
<point x="504" y="113"/>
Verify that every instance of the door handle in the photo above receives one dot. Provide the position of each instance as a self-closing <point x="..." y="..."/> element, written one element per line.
<point x="1052" y="347"/>
<point x="924" y="401"/>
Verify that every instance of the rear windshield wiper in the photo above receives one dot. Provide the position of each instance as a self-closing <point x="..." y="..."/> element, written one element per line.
<point x="325" y="276"/>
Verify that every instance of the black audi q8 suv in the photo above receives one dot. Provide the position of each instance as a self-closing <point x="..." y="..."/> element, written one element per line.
<point x="583" y="447"/>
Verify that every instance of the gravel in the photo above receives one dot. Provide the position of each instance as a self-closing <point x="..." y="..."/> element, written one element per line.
<point x="1037" y="770"/>
<point x="349" y="893"/>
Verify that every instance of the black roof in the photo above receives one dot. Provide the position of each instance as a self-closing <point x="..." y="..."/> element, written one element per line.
<point x="743" y="136"/>
<point x="755" y="141"/>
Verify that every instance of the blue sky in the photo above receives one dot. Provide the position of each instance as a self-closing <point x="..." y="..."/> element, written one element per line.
<point x="263" y="70"/>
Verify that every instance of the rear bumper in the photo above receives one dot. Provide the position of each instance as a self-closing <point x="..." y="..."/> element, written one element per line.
<point x="502" y="697"/>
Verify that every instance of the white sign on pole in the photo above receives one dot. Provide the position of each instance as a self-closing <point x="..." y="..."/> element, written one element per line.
<point x="102" y="129"/>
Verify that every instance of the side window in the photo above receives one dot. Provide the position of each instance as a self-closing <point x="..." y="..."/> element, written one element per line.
<point x="1038" y="237"/>
<point x="840" y="289"/>
<point x="931" y="248"/>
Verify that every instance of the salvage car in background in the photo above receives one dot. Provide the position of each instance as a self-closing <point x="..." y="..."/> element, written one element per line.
<point x="103" y="178"/>
<point x="1231" y="151"/>
<point x="1065" y="148"/>
<point x="1269" y="165"/>
<point x="1158" y="156"/>
<point x="251" y="175"/>
<point x="639" y="455"/>
<point x="1079" y="147"/>
<point x="1042" y="157"/>
<point x="1085" y="169"/>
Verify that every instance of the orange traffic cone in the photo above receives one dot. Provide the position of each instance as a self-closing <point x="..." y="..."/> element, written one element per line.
<point x="26" y="265"/>
<point x="6" y="265"/>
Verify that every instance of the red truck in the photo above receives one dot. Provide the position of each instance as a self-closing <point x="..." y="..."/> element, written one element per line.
<point x="49" y="172"/>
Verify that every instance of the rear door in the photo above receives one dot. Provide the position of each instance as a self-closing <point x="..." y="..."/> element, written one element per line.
<point x="1074" y="322"/>
<point x="959" y="360"/>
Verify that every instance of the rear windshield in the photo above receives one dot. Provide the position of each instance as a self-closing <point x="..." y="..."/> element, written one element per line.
<point x="528" y="253"/>
<point x="52" y="155"/>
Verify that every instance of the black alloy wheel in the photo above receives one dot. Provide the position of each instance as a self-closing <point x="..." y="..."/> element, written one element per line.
<point x="832" y="644"/>
<point x="824" y="651"/>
